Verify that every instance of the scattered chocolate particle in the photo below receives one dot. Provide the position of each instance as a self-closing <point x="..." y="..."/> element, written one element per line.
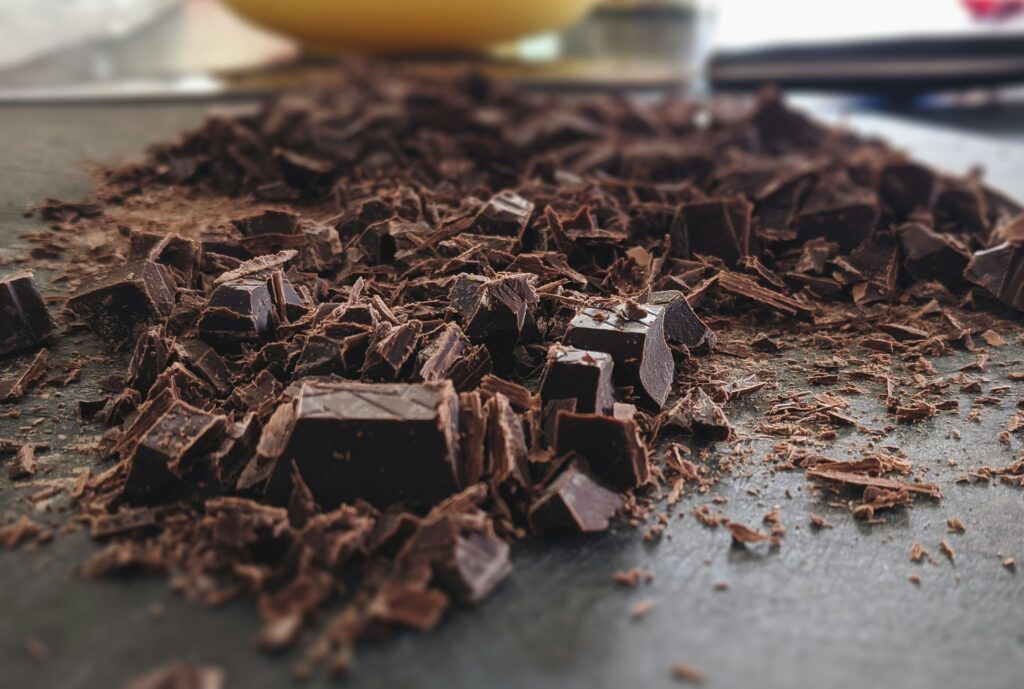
<point x="23" y="464"/>
<point x="954" y="525"/>
<point x="683" y="672"/>
<point x="179" y="675"/>
<point x="947" y="550"/>
<point x="641" y="609"/>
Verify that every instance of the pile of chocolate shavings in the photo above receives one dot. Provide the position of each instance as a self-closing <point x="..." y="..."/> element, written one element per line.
<point x="379" y="333"/>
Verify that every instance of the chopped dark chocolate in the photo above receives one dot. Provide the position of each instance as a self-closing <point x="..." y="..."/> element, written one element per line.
<point x="682" y="325"/>
<point x="574" y="502"/>
<point x="611" y="445"/>
<point x="642" y="358"/>
<point x="117" y="301"/>
<point x="696" y="413"/>
<point x="14" y="387"/>
<point x="25" y="320"/>
<point x="505" y="213"/>
<point x="1000" y="270"/>
<point x="165" y="453"/>
<point x="239" y="313"/>
<point x="929" y="255"/>
<point x="382" y="443"/>
<point x="581" y="375"/>
<point x="493" y="305"/>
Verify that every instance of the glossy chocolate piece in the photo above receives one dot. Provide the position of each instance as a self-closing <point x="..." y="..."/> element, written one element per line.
<point x="1000" y="270"/>
<point x="506" y="214"/>
<point x="580" y="375"/>
<point x="719" y="227"/>
<point x="238" y="313"/>
<point x="383" y="443"/>
<point x="488" y="306"/>
<point x="637" y="344"/>
<point x="682" y="325"/>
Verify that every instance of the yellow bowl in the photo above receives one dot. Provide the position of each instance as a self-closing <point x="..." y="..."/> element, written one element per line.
<point x="409" y="26"/>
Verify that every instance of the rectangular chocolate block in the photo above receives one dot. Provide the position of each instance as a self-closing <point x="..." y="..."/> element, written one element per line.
<point x="384" y="443"/>
<point x="24" y="320"/>
<point x="634" y="335"/>
<point x="929" y="255"/>
<point x="115" y="302"/>
<point x="611" y="445"/>
<point x="719" y="227"/>
<point x="581" y="375"/>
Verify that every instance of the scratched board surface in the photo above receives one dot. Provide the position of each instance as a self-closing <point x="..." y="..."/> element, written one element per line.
<point x="831" y="607"/>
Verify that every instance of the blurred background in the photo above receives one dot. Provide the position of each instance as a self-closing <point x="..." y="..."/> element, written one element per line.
<point x="958" y="62"/>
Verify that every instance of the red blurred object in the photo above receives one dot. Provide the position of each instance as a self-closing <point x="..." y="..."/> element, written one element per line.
<point x="994" y="9"/>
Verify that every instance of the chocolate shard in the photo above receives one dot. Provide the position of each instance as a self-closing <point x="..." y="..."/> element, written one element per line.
<point x="383" y="443"/>
<point x="574" y="502"/>
<point x="23" y="314"/>
<point x="636" y="342"/>
<point x="906" y="187"/>
<point x="182" y="256"/>
<point x="202" y="359"/>
<point x="506" y="214"/>
<point x="697" y="414"/>
<point x="467" y="372"/>
<point x="149" y="358"/>
<point x="436" y="360"/>
<point x="267" y="222"/>
<point x="167" y="451"/>
<point x="14" y="387"/>
<point x="610" y="444"/>
<point x="117" y="301"/>
<point x="580" y="375"/>
<point x="929" y="255"/>
<point x="473" y="438"/>
<point x="682" y="325"/>
<point x="743" y="286"/>
<point x="719" y="227"/>
<point x="238" y="313"/>
<point x="507" y="453"/>
<point x="23" y="464"/>
<point x="1000" y="270"/>
<point x="390" y="349"/>
<point x="488" y="306"/>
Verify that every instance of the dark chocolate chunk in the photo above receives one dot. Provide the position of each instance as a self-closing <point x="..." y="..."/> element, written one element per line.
<point x="929" y="255"/>
<point x="574" y="502"/>
<point x="1000" y="270"/>
<point x="473" y="438"/>
<point x="906" y="187"/>
<point x="682" y="325"/>
<point x="117" y="301"/>
<point x="182" y="255"/>
<point x="719" y="227"/>
<point x="167" y="450"/>
<point x="201" y="358"/>
<point x="24" y="320"/>
<point x="846" y="217"/>
<point x="238" y="314"/>
<point x="506" y="213"/>
<point x="468" y="563"/>
<point x="267" y="222"/>
<point x="493" y="305"/>
<point x="611" y="445"/>
<point x="642" y="358"/>
<point x="581" y="375"/>
<point x="383" y="443"/>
